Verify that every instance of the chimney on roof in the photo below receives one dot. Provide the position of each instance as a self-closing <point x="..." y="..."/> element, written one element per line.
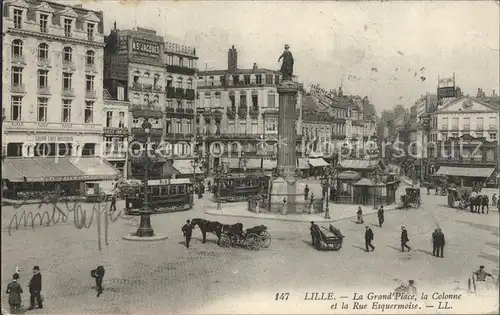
<point x="255" y="67"/>
<point x="232" y="59"/>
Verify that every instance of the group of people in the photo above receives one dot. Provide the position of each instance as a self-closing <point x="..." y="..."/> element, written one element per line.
<point x="14" y="290"/>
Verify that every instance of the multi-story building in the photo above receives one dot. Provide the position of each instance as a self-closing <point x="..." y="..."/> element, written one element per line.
<point x="52" y="75"/>
<point x="158" y="79"/>
<point x="116" y="129"/>
<point x="237" y="110"/>
<point x="464" y="134"/>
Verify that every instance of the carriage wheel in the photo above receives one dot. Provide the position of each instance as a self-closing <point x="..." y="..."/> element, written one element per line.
<point x="253" y="242"/>
<point x="225" y="240"/>
<point x="266" y="239"/>
<point x="337" y="246"/>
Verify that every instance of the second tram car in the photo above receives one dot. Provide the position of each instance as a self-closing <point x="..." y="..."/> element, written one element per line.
<point x="238" y="187"/>
<point x="166" y="195"/>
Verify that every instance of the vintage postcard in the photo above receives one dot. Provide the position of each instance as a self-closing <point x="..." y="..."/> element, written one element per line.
<point x="250" y="157"/>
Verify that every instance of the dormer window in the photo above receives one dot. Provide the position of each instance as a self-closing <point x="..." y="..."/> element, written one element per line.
<point x="18" y="18"/>
<point x="68" y="23"/>
<point x="44" y="22"/>
<point x="90" y="31"/>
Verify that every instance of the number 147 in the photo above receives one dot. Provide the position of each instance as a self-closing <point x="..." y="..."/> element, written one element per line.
<point x="282" y="296"/>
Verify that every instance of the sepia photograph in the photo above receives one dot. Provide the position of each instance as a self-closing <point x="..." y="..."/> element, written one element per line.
<point x="250" y="157"/>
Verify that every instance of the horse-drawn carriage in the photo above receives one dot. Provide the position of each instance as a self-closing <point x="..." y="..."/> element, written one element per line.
<point x="233" y="234"/>
<point x="411" y="198"/>
<point x="254" y="238"/>
<point x="324" y="238"/>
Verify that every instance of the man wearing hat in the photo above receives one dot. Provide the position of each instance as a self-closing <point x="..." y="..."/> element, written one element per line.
<point x="35" y="287"/>
<point x="404" y="239"/>
<point x="369" y="239"/>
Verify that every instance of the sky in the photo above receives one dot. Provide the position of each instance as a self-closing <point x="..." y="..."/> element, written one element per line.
<point x="383" y="50"/>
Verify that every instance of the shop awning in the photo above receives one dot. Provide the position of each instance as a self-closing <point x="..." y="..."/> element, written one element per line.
<point x="61" y="169"/>
<point x="318" y="162"/>
<point x="269" y="164"/>
<point x="232" y="162"/>
<point x="465" y="171"/>
<point x="185" y="167"/>
<point x="253" y="163"/>
<point x="303" y="164"/>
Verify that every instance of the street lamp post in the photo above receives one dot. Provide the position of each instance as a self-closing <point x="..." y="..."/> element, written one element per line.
<point x="145" y="229"/>
<point x="329" y="173"/>
<point x="375" y="183"/>
<point x="219" y="175"/>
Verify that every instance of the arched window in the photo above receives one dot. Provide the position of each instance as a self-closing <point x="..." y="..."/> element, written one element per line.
<point x="89" y="58"/>
<point x="67" y="54"/>
<point x="43" y="51"/>
<point x="17" y="48"/>
<point x="136" y="76"/>
<point x="190" y="83"/>
<point x="169" y="81"/>
<point x="179" y="82"/>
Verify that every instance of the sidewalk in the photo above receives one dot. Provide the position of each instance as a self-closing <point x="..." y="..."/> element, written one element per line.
<point x="337" y="212"/>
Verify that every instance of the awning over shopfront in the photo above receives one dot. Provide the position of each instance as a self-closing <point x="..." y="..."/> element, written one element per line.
<point x="269" y="164"/>
<point x="318" y="162"/>
<point x="185" y="167"/>
<point x="303" y="164"/>
<point x="253" y="163"/>
<point x="61" y="169"/>
<point x="232" y="162"/>
<point x="465" y="171"/>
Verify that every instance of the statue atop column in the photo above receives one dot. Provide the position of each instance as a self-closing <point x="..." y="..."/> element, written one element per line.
<point x="287" y="65"/>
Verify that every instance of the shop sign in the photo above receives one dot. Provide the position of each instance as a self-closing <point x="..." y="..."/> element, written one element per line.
<point x="315" y="89"/>
<point x="122" y="44"/>
<point x="182" y="49"/>
<point x="72" y="178"/>
<point x="146" y="48"/>
<point x="55" y="139"/>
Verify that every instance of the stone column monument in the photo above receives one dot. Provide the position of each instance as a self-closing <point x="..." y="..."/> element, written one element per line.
<point x="283" y="189"/>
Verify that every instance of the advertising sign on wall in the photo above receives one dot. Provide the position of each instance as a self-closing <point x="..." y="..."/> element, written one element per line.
<point x="122" y="44"/>
<point x="145" y="48"/>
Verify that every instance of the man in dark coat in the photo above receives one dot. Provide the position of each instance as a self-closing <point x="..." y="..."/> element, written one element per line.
<point x="314" y="231"/>
<point x="98" y="274"/>
<point x="35" y="288"/>
<point x="112" y="207"/>
<point x="380" y="214"/>
<point x="187" y="230"/>
<point x="306" y="192"/>
<point x="485" y="202"/>
<point x="369" y="239"/>
<point x="404" y="239"/>
<point x="14" y="291"/>
<point x="434" y="242"/>
<point x="440" y="243"/>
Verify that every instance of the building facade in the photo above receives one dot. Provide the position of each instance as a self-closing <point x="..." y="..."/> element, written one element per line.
<point x="52" y="78"/>
<point x="159" y="81"/>
<point x="237" y="115"/>
<point x="116" y="130"/>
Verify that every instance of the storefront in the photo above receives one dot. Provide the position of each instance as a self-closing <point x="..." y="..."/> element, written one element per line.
<point x="36" y="176"/>
<point x="466" y="176"/>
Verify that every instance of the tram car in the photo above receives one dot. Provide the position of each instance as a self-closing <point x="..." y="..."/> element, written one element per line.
<point x="239" y="187"/>
<point x="166" y="195"/>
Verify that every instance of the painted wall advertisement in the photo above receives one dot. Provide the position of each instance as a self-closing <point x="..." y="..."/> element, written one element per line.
<point x="122" y="44"/>
<point x="145" y="48"/>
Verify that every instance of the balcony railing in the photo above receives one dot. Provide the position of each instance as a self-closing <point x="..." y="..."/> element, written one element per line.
<point x="148" y="111"/>
<point x="142" y="86"/>
<point x="180" y="70"/>
<point x="68" y="65"/>
<point x="90" y="94"/>
<point x="179" y="110"/>
<point x="44" y="90"/>
<point x="169" y="109"/>
<point x="170" y="91"/>
<point x="179" y="93"/>
<point x="44" y="62"/>
<point x="18" y="88"/>
<point x="115" y="131"/>
<point x="153" y="132"/>
<point x="68" y="92"/>
<point x="19" y="59"/>
<point x="189" y="111"/>
<point x="35" y="125"/>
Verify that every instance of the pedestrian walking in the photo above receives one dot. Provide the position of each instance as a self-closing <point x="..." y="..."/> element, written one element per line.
<point x="112" y="206"/>
<point x="404" y="239"/>
<point x="380" y="214"/>
<point x="485" y="203"/>
<point x="306" y="192"/>
<point x="98" y="275"/>
<point x="368" y="239"/>
<point x="440" y="243"/>
<point x="14" y="291"/>
<point x="35" y="288"/>
<point x="187" y="230"/>
<point x="312" y="199"/>
<point x="434" y="242"/>
<point x="360" y="216"/>
<point x="314" y="231"/>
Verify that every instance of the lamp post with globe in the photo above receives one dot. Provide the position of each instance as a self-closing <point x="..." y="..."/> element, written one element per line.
<point x="328" y="176"/>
